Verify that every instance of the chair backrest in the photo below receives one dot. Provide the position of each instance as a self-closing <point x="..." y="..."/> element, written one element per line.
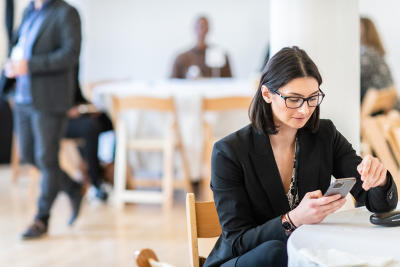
<point x="202" y="222"/>
<point x="390" y="124"/>
<point x="372" y="129"/>
<point x="226" y="103"/>
<point x="378" y="100"/>
<point x="141" y="103"/>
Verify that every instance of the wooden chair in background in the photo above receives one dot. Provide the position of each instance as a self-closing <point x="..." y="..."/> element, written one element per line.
<point x="381" y="100"/>
<point x="216" y="105"/>
<point x="144" y="256"/>
<point x="379" y="132"/>
<point x="69" y="158"/>
<point x="381" y="143"/>
<point x="168" y="145"/>
<point x="147" y="258"/>
<point x="202" y="222"/>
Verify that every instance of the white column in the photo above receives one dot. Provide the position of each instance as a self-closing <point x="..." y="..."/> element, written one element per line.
<point x="3" y="34"/>
<point x="329" y="32"/>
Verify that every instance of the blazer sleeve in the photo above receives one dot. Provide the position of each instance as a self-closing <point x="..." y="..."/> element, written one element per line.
<point x="345" y="162"/>
<point x="239" y="227"/>
<point x="67" y="55"/>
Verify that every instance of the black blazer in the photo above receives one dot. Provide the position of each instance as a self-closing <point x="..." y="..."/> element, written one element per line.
<point x="55" y="55"/>
<point x="249" y="194"/>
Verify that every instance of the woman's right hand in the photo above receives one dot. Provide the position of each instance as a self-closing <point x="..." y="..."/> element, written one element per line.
<point x="314" y="207"/>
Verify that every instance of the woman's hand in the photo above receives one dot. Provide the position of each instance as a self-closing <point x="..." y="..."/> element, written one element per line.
<point x="314" y="207"/>
<point x="372" y="172"/>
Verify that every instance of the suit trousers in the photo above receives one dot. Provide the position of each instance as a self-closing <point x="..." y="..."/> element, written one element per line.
<point x="39" y="134"/>
<point x="269" y="254"/>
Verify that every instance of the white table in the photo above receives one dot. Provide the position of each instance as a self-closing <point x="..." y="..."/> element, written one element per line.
<point x="345" y="234"/>
<point x="187" y="95"/>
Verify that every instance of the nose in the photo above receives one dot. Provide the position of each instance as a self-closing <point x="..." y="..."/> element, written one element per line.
<point x="304" y="109"/>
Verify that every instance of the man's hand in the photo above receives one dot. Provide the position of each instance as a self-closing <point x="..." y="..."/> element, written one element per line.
<point x="15" y="68"/>
<point x="73" y="113"/>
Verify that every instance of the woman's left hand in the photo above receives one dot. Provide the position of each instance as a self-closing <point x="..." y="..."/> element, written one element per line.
<point x="372" y="172"/>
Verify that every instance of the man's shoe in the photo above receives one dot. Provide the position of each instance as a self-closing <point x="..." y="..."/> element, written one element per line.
<point x="36" y="230"/>
<point x="76" y="200"/>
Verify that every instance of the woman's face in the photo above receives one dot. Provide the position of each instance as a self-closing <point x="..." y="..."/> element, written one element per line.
<point x="292" y="118"/>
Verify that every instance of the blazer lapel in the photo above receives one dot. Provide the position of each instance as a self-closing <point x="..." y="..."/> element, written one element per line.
<point x="309" y="163"/>
<point x="268" y="173"/>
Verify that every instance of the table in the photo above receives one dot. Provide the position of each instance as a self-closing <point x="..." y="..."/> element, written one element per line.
<point x="187" y="95"/>
<point x="346" y="236"/>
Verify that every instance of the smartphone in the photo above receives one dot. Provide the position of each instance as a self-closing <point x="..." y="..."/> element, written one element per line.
<point x="340" y="186"/>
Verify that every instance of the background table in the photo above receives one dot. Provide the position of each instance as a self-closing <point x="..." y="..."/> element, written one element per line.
<point x="349" y="231"/>
<point x="187" y="95"/>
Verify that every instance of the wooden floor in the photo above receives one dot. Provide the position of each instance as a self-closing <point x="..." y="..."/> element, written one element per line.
<point x="102" y="236"/>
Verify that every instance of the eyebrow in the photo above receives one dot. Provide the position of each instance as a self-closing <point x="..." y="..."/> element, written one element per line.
<point x="296" y="94"/>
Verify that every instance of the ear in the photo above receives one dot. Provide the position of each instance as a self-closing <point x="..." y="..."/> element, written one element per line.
<point x="266" y="94"/>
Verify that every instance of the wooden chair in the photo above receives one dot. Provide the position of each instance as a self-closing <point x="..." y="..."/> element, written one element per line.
<point x="202" y="222"/>
<point x="167" y="145"/>
<point x="147" y="258"/>
<point x="144" y="256"/>
<point x="216" y="105"/>
<point x="69" y="158"/>
<point x="373" y="132"/>
<point x="378" y="100"/>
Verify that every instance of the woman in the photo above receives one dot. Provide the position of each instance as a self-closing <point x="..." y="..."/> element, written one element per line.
<point x="272" y="173"/>
<point x="375" y="73"/>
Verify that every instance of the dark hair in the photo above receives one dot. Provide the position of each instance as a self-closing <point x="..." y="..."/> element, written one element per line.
<point x="288" y="64"/>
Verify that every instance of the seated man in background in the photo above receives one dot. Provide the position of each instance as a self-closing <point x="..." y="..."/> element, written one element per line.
<point x="85" y="122"/>
<point x="202" y="60"/>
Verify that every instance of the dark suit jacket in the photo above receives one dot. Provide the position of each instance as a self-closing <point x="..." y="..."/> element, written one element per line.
<point x="249" y="193"/>
<point x="55" y="55"/>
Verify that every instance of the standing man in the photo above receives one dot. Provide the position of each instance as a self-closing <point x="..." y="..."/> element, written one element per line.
<point x="43" y="62"/>
<point x="195" y="63"/>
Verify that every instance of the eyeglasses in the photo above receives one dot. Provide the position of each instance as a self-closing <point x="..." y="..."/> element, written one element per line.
<point x="296" y="101"/>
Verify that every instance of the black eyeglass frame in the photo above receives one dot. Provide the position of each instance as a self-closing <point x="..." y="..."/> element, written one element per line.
<point x="305" y="99"/>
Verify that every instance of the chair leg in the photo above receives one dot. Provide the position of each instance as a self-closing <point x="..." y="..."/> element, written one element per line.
<point x="168" y="172"/>
<point x="185" y="164"/>
<point x="120" y="171"/>
<point x="34" y="175"/>
<point x="14" y="159"/>
<point x="206" y="193"/>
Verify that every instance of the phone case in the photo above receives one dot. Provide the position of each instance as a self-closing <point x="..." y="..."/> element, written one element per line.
<point x="341" y="186"/>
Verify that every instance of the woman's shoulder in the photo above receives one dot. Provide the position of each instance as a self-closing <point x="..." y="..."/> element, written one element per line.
<point x="326" y="129"/>
<point x="236" y="141"/>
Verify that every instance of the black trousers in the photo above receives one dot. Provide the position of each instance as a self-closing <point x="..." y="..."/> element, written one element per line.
<point x="39" y="134"/>
<point x="269" y="254"/>
<point x="89" y="127"/>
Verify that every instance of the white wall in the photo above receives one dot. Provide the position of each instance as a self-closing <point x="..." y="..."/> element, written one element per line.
<point x="384" y="14"/>
<point x="140" y="39"/>
<point x="328" y="31"/>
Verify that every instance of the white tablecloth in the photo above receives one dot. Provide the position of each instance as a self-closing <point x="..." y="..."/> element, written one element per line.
<point x="345" y="237"/>
<point x="187" y="95"/>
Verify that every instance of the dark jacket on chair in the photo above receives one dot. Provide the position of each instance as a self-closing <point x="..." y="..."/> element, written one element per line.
<point x="55" y="55"/>
<point x="249" y="194"/>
